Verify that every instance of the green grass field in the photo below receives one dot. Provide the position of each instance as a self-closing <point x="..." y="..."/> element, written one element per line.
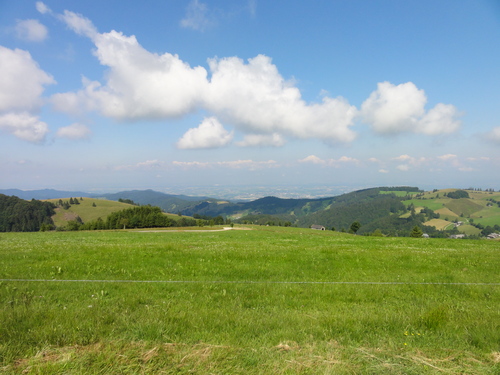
<point x="264" y="301"/>
<point x="433" y="204"/>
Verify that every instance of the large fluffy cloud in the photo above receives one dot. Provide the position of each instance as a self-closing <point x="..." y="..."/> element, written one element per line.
<point x="21" y="81"/>
<point x="21" y="86"/>
<point x="252" y="95"/>
<point x="209" y="134"/>
<point x="393" y="109"/>
<point x="140" y="84"/>
<point x="257" y="99"/>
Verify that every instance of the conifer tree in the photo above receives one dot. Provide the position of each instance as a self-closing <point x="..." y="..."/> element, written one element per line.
<point x="416" y="232"/>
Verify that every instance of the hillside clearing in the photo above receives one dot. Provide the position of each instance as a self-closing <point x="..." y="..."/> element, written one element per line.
<point x="88" y="209"/>
<point x="440" y="224"/>
<point x="463" y="206"/>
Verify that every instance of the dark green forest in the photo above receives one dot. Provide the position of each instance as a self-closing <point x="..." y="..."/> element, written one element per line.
<point x="19" y="215"/>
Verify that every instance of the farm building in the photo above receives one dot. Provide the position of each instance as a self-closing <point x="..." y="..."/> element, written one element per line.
<point x="318" y="227"/>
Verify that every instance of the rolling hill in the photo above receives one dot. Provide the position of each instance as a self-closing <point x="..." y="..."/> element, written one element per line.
<point x="390" y="210"/>
<point x="88" y="209"/>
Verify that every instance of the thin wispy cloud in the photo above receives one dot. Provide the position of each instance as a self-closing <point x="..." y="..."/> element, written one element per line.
<point x="197" y="17"/>
<point x="74" y="132"/>
<point x="232" y="164"/>
<point x="329" y="162"/>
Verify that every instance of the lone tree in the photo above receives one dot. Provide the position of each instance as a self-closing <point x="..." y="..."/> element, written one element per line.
<point x="355" y="227"/>
<point x="416" y="232"/>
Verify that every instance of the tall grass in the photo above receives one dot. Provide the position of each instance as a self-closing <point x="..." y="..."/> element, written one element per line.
<point x="229" y="308"/>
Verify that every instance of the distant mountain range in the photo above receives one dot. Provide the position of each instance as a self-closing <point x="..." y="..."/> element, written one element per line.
<point x="42" y="194"/>
<point x="391" y="210"/>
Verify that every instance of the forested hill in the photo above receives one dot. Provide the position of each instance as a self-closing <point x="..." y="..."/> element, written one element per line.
<point x="18" y="215"/>
<point x="340" y="211"/>
<point x="362" y="206"/>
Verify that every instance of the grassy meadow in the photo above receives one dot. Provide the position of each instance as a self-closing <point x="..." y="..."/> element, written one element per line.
<point x="268" y="300"/>
<point x="90" y="209"/>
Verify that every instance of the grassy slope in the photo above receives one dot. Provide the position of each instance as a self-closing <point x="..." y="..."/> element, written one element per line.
<point x="88" y="213"/>
<point x="463" y="207"/>
<point x="440" y="224"/>
<point x="247" y="328"/>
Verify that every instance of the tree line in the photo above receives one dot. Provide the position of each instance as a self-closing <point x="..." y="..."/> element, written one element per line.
<point x="142" y="217"/>
<point x="19" y="215"/>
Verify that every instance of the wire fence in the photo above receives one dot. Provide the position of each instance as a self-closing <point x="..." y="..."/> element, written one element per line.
<point x="247" y="282"/>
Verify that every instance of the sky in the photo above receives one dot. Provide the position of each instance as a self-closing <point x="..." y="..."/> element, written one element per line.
<point x="114" y="95"/>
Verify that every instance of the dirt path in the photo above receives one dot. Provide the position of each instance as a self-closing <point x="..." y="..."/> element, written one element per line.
<point x="188" y="230"/>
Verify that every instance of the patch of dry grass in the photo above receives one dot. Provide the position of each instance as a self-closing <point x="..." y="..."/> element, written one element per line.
<point x="285" y="358"/>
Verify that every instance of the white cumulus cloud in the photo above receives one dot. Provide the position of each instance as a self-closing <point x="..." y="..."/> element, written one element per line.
<point x="24" y="126"/>
<point x="31" y="30"/>
<point x="312" y="159"/>
<point x="140" y="84"/>
<point x="74" y="132"/>
<point x="21" y="86"/>
<point x="209" y="134"/>
<point x="252" y="96"/>
<point x="393" y="109"/>
<point x="257" y="99"/>
<point x="442" y="119"/>
<point x="21" y="81"/>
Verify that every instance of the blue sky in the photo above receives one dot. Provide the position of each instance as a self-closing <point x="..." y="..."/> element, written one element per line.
<point x="112" y="95"/>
